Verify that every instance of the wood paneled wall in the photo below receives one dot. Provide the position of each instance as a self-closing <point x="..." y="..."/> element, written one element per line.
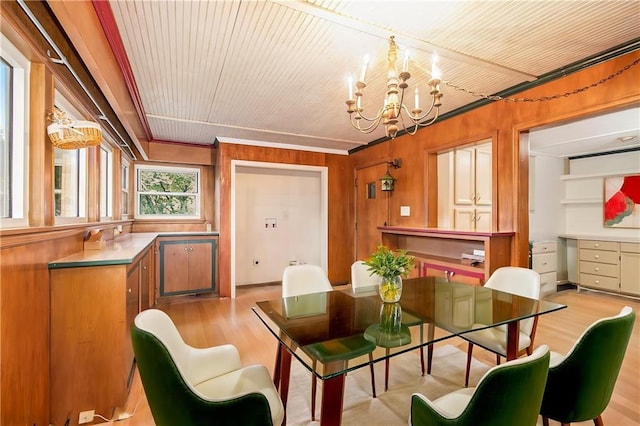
<point x="416" y="186"/>
<point x="341" y="196"/>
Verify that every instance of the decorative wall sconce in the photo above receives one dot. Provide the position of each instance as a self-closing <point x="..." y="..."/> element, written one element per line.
<point x="66" y="133"/>
<point x="387" y="181"/>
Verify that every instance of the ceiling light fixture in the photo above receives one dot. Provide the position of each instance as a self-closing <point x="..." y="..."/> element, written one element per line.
<point x="394" y="111"/>
<point x="66" y="133"/>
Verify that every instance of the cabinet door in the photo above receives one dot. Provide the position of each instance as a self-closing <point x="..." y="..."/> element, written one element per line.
<point x="145" y="266"/>
<point x="482" y="222"/>
<point x="464" y="176"/>
<point x="630" y="273"/>
<point x="132" y="293"/>
<point x="201" y="264"/>
<point x="464" y="219"/>
<point x="174" y="267"/>
<point x="483" y="176"/>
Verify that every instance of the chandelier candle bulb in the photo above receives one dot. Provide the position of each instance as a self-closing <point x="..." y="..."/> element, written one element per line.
<point x="350" y="83"/>
<point x="417" y="99"/>
<point x="364" y="68"/>
<point x="405" y="63"/>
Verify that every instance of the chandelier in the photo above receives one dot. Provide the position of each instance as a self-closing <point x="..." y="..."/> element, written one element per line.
<point x="66" y="133"/>
<point x="394" y="111"/>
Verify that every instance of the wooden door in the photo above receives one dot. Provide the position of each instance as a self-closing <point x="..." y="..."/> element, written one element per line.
<point x="372" y="208"/>
<point x="201" y="264"/>
<point x="174" y="269"/>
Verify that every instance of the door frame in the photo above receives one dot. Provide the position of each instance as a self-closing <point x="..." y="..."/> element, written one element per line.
<point x="324" y="207"/>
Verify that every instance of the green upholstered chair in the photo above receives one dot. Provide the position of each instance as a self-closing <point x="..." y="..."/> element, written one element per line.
<point x="581" y="382"/>
<point x="190" y="386"/>
<point x="515" y="280"/>
<point x="507" y="395"/>
<point x="298" y="280"/>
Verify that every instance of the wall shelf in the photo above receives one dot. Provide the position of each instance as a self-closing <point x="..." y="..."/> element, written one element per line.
<point x="598" y="175"/>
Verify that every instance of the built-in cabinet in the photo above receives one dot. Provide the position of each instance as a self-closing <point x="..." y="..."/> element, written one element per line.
<point x="472" y="191"/>
<point x="93" y="305"/>
<point x="439" y="252"/>
<point x="186" y="265"/>
<point x="610" y="266"/>
<point x="544" y="260"/>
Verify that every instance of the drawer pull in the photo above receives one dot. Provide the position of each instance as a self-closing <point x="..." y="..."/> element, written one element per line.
<point x="597" y="281"/>
<point x="596" y="245"/>
<point x="544" y="263"/>
<point x="597" y="269"/>
<point x="596" y="256"/>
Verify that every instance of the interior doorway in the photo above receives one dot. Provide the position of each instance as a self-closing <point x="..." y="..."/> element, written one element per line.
<point x="279" y="215"/>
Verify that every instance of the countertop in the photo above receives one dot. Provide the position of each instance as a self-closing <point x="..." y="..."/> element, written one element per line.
<point x="121" y="250"/>
<point x="601" y="238"/>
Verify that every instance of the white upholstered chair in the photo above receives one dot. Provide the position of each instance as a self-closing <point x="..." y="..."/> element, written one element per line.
<point x="192" y="386"/>
<point x="303" y="279"/>
<point x="515" y="280"/>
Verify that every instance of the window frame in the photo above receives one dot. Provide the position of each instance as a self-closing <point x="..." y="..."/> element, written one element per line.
<point x="106" y="182"/>
<point x="125" y="188"/>
<point x="17" y="146"/>
<point x="168" y="169"/>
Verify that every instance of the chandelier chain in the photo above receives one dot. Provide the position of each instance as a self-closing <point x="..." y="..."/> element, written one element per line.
<point x="543" y="98"/>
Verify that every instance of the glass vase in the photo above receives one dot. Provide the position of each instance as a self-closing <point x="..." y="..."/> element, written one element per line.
<point x="390" y="289"/>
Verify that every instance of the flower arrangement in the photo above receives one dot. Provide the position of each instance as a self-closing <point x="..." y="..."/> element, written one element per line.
<point x="391" y="267"/>
<point x="388" y="264"/>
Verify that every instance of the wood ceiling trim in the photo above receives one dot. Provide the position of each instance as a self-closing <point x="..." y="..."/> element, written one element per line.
<point x="108" y="23"/>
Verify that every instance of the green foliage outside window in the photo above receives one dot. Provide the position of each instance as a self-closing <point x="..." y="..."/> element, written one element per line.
<point x="167" y="193"/>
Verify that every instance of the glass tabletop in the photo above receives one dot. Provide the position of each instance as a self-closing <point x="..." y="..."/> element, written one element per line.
<point x="334" y="332"/>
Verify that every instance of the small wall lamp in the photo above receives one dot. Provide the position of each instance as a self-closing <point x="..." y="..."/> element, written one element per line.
<point x="387" y="181"/>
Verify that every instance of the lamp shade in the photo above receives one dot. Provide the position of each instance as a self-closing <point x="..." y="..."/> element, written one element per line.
<point x="74" y="134"/>
<point x="386" y="182"/>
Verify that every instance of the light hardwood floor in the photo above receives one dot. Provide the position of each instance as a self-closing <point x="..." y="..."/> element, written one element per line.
<point x="207" y="321"/>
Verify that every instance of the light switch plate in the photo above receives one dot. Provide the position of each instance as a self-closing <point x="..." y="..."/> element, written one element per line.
<point x="405" y="211"/>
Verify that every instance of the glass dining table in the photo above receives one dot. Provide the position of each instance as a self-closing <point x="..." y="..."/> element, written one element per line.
<point x="335" y="332"/>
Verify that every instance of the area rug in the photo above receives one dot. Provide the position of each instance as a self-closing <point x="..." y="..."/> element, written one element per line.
<point x="391" y="407"/>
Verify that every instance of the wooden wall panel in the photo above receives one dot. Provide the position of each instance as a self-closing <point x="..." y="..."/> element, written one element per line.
<point x="179" y="153"/>
<point x="506" y="120"/>
<point x="24" y="335"/>
<point x="338" y="239"/>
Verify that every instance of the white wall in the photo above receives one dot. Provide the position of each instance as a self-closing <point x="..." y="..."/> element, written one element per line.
<point x="291" y="199"/>
<point x="546" y="216"/>
<point x="585" y="196"/>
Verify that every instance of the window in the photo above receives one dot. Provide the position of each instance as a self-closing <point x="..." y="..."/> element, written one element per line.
<point x="70" y="182"/>
<point x="106" y="181"/>
<point x="124" y="190"/>
<point x="163" y="192"/>
<point x="14" y="108"/>
<point x="69" y="176"/>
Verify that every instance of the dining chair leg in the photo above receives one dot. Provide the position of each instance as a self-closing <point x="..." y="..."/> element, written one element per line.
<point x="421" y="348"/>
<point x="313" y="392"/>
<point x="430" y="337"/>
<point x="276" y="370"/>
<point x="545" y="421"/>
<point x="373" y="377"/>
<point x="386" y="370"/>
<point x="497" y="359"/>
<point x="598" y="421"/>
<point x="466" y="374"/>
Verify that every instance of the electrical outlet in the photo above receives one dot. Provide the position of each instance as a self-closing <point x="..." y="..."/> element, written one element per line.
<point x="86" y="416"/>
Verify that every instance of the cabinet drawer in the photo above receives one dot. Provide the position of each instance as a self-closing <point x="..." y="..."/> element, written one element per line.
<point x="598" y="245"/>
<point x="599" y="256"/>
<point x="630" y="247"/>
<point x="544" y="247"/>
<point x="546" y="262"/>
<point x="595" y="268"/>
<point x="548" y="283"/>
<point x="597" y="281"/>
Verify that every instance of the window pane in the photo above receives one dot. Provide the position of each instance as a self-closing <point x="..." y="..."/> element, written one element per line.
<point x="106" y="182"/>
<point x="175" y="205"/>
<point x="124" y="203"/>
<point x="156" y="181"/>
<point x="5" y="138"/>
<point x="67" y="176"/>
